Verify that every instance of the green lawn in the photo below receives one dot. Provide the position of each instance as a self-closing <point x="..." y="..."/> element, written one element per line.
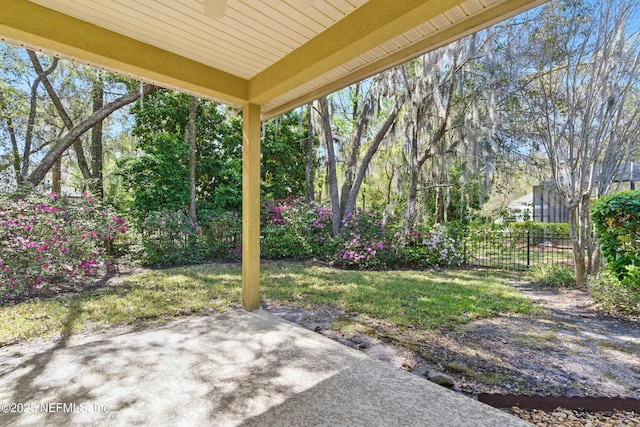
<point x="424" y="300"/>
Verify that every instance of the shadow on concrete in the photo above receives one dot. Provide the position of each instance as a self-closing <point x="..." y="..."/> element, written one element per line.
<point x="234" y="368"/>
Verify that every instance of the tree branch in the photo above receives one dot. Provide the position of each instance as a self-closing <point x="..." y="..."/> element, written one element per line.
<point x="32" y="118"/>
<point x="77" y="144"/>
<point x="81" y="128"/>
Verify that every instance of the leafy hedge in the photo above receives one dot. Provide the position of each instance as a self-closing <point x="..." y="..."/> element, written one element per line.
<point x="171" y="238"/>
<point x="617" y="221"/>
<point x="622" y="297"/>
<point x="541" y="227"/>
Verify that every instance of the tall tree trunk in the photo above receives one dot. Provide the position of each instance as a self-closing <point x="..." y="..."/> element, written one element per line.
<point x="332" y="176"/>
<point x="390" y="177"/>
<point x="56" y="177"/>
<point x="356" y="143"/>
<point x="309" y="157"/>
<point x="14" y="148"/>
<point x="420" y="104"/>
<point x="371" y="151"/>
<point x="191" y="132"/>
<point x="97" y="96"/>
<point x="590" y="242"/>
<point x="414" y="175"/>
<point x="80" y="129"/>
<point x="578" y="250"/>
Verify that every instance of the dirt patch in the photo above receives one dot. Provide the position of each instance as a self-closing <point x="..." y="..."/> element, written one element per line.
<point x="569" y="349"/>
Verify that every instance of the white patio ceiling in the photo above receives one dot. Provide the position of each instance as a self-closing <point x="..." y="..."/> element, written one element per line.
<point x="272" y="53"/>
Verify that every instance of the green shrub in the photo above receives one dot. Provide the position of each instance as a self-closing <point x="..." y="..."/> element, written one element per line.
<point x="284" y="241"/>
<point x="617" y="221"/>
<point x="553" y="275"/>
<point x="285" y="228"/>
<point x="541" y="227"/>
<point x="171" y="238"/>
<point x="614" y="295"/>
<point x="221" y="234"/>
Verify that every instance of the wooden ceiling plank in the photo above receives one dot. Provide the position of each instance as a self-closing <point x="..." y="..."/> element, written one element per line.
<point x="470" y="7"/>
<point x="261" y="25"/>
<point x="343" y="6"/>
<point x="50" y="30"/>
<point x="135" y="26"/>
<point x="457" y="14"/>
<point x="329" y="10"/>
<point x="482" y="19"/>
<point x="315" y="14"/>
<point x="218" y="32"/>
<point x="187" y="23"/>
<point x="368" y="26"/>
<point x="292" y="20"/>
<point x="232" y="44"/>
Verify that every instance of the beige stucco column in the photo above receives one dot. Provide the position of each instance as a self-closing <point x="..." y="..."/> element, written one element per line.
<point x="251" y="207"/>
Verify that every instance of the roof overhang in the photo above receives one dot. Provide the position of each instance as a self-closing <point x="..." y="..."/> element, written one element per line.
<point x="264" y="52"/>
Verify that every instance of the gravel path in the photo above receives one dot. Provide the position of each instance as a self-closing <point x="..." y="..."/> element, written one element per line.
<point x="565" y="418"/>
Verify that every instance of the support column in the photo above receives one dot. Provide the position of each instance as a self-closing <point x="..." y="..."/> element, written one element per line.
<point x="251" y="207"/>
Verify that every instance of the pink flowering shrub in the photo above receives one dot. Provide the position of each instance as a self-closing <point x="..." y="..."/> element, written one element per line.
<point x="294" y="228"/>
<point x="363" y="242"/>
<point x="45" y="239"/>
<point x="323" y="244"/>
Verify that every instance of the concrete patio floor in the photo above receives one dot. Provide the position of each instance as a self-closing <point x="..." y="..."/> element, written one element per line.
<point x="229" y="369"/>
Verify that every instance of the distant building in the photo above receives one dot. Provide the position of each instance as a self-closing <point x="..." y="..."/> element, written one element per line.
<point x="547" y="204"/>
<point x="521" y="209"/>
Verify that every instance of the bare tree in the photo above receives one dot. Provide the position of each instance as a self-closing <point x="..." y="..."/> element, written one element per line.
<point x="578" y="80"/>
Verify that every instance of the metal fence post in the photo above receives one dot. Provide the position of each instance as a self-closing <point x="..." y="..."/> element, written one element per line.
<point x="528" y="248"/>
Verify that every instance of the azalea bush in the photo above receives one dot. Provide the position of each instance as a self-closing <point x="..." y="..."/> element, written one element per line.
<point x="363" y="242"/>
<point x="44" y="239"/>
<point x="284" y="231"/>
<point x="295" y="228"/>
<point x="323" y="244"/>
<point x="433" y="246"/>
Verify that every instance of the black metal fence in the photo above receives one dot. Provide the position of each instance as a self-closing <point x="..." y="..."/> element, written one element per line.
<point x="517" y="250"/>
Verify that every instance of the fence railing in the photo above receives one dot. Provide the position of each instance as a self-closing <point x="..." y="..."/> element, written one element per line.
<point x="517" y="250"/>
